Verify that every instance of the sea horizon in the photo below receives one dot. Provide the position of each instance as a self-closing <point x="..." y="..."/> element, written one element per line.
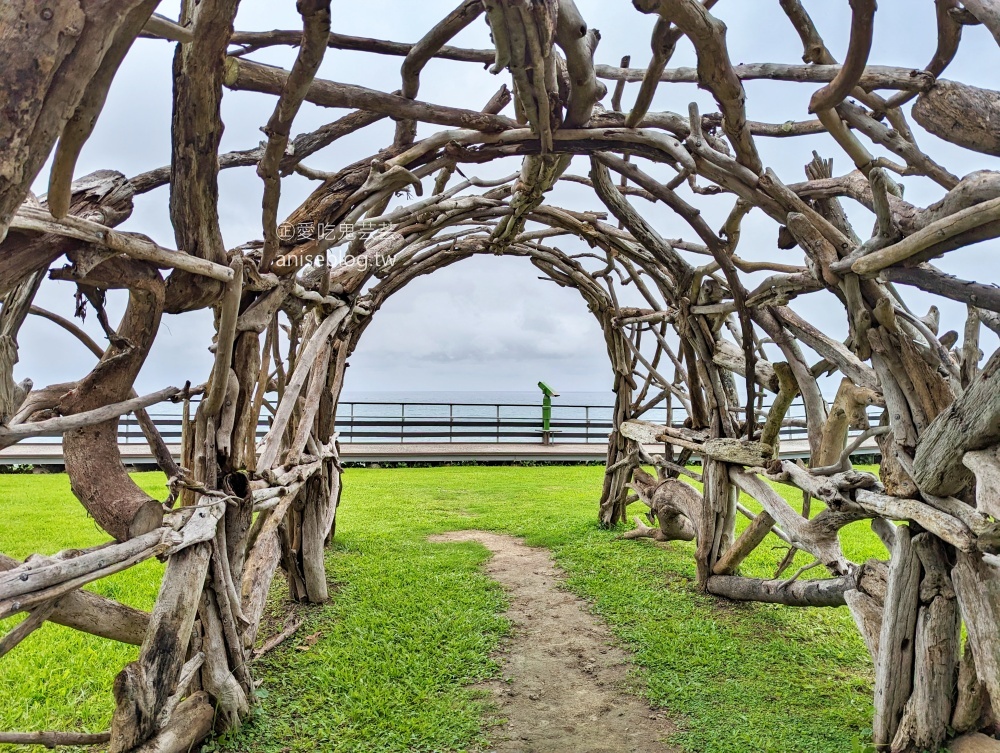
<point x="601" y="398"/>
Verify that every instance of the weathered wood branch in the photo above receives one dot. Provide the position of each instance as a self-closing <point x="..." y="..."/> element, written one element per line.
<point x="53" y="58"/>
<point x="54" y="739"/>
<point x="835" y="352"/>
<point x="50" y="580"/>
<point x="137" y="247"/>
<point x="80" y="126"/>
<point x="930" y="238"/>
<point x="874" y="76"/>
<point x="275" y="437"/>
<point x="928" y="712"/>
<point x="90" y="613"/>
<point x="925" y="277"/>
<point x="104" y="197"/>
<point x="972" y="422"/>
<point x="862" y="31"/>
<point x="144" y="686"/>
<point x="246" y="75"/>
<point x="316" y="18"/>
<point x="421" y="53"/>
<point x="813" y="536"/>
<point x="894" y="669"/>
<point x="977" y="585"/>
<point x="749" y="540"/>
<point x="11" y="435"/>
<point x="802" y="593"/>
<point x="196" y="128"/>
<point x="960" y="114"/>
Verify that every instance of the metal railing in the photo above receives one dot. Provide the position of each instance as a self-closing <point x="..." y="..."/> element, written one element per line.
<point x="404" y="422"/>
<point x="426" y="422"/>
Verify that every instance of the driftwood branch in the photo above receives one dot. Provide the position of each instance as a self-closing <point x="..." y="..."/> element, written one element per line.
<point x="687" y="324"/>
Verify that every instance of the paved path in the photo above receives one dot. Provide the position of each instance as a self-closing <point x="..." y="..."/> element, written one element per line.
<point x="138" y="453"/>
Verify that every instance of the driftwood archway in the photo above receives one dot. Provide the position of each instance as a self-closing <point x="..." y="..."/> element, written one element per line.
<point x="707" y="336"/>
<point x="597" y="289"/>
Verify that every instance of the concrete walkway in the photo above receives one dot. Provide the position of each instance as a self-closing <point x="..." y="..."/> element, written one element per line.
<point x="138" y="453"/>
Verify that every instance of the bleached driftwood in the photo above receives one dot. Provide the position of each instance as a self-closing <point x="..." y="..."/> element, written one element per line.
<point x="697" y="337"/>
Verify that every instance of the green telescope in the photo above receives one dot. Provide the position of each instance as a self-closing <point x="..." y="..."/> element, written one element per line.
<point x="547" y="394"/>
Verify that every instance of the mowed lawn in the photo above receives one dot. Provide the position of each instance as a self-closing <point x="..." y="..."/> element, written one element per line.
<point x="390" y="663"/>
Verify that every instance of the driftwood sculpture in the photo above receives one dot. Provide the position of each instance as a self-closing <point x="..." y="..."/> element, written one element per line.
<point x="707" y="341"/>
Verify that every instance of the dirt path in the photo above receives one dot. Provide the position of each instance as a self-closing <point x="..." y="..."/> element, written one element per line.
<point x="562" y="679"/>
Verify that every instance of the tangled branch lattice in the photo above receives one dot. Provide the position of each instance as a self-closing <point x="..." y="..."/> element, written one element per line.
<point x="706" y="337"/>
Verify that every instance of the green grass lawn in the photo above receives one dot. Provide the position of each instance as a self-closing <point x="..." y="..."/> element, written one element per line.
<point x="388" y="665"/>
<point x="59" y="678"/>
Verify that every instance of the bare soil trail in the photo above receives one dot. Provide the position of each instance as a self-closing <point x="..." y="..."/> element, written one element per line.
<point x="563" y="683"/>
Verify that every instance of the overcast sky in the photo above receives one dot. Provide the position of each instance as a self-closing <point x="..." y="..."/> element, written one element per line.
<point x="488" y="323"/>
